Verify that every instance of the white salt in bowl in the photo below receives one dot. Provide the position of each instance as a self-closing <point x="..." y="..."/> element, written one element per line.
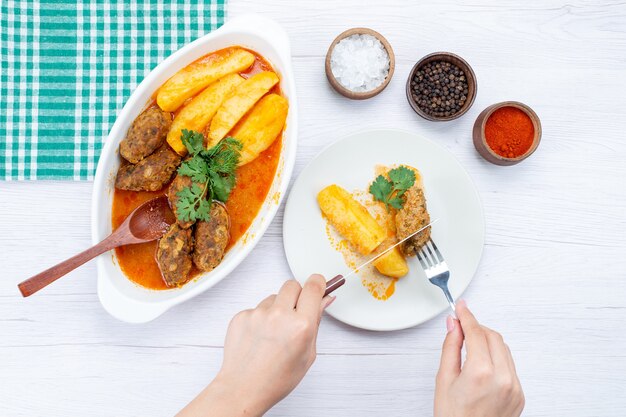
<point x="338" y="86"/>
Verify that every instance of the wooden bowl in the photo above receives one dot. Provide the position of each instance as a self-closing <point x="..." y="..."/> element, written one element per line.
<point x="480" y="141"/>
<point x="472" y="85"/>
<point x="365" y="94"/>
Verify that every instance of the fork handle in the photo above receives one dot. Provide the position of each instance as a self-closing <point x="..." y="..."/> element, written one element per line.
<point x="450" y="301"/>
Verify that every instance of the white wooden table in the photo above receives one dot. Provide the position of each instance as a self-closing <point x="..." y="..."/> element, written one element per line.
<point x="552" y="278"/>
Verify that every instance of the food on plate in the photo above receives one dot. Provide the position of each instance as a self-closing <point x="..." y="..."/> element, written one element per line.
<point x="146" y="134"/>
<point x="239" y="103"/>
<point x="174" y="255"/>
<point x="258" y="129"/>
<point x="373" y="222"/>
<point x="198" y="75"/>
<point x="356" y="224"/>
<point x="197" y="114"/>
<point x="351" y="219"/>
<point x="413" y="216"/>
<point x="392" y="264"/>
<point x="151" y="173"/>
<point x="390" y="188"/>
<point x="213" y="195"/>
<point x="211" y="238"/>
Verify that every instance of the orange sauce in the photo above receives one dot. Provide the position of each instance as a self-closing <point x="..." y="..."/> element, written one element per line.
<point x="253" y="183"/>
<point x="138" y="262"/>
<point x="254" y="180"/>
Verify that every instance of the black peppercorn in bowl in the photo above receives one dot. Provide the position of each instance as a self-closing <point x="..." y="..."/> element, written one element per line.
<point x="441" y="86"/>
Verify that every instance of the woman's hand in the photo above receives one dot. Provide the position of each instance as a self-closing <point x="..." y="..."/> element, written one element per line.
<point x="487" y="384"/>
<point x="267" y="352"/>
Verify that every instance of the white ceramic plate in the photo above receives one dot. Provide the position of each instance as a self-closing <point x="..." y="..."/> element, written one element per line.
<point x="451" y="197"/>
<point x="119" y="296"/>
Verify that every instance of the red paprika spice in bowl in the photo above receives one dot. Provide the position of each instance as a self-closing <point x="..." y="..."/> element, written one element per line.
<point x="507" y="133"/>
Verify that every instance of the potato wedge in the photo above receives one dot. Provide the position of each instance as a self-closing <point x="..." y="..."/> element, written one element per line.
<point x="198" y="75"/>
<point x="197" y="114"/>
<point x="261" y="126"/>
<point x="392" y="264"/>
<point x="238" y="104"/>
<point x="351" y="219"/>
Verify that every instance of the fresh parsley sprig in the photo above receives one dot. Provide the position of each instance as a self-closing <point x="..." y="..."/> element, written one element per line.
<point x="212" y="172"/>
<point x="390" y="191"/>
<point x="192" y="205"/>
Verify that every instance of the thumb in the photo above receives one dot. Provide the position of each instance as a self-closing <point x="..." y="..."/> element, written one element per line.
<point x="450" y="366"/>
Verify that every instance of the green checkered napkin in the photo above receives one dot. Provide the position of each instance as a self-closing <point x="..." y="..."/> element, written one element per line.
<point x="68" y="67"/>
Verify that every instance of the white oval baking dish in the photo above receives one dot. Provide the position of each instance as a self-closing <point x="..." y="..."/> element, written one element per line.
<point x="122" y="298"/>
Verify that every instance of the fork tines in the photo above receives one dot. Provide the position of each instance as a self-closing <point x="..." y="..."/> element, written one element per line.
<point x="429" y="256"/>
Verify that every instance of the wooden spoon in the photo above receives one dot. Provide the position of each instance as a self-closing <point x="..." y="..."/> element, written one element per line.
<point x="147" y="222"/>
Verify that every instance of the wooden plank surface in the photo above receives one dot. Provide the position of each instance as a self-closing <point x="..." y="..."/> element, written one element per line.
<point x="552" y="278"/>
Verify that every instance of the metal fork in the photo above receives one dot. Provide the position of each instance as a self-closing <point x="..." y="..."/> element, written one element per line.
<point x="436" y="269"/>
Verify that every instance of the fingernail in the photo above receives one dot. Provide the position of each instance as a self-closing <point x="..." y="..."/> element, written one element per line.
<point x="329" y="300"/>
<point x="450" y="323"/>
<point x="461" y="303"/>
